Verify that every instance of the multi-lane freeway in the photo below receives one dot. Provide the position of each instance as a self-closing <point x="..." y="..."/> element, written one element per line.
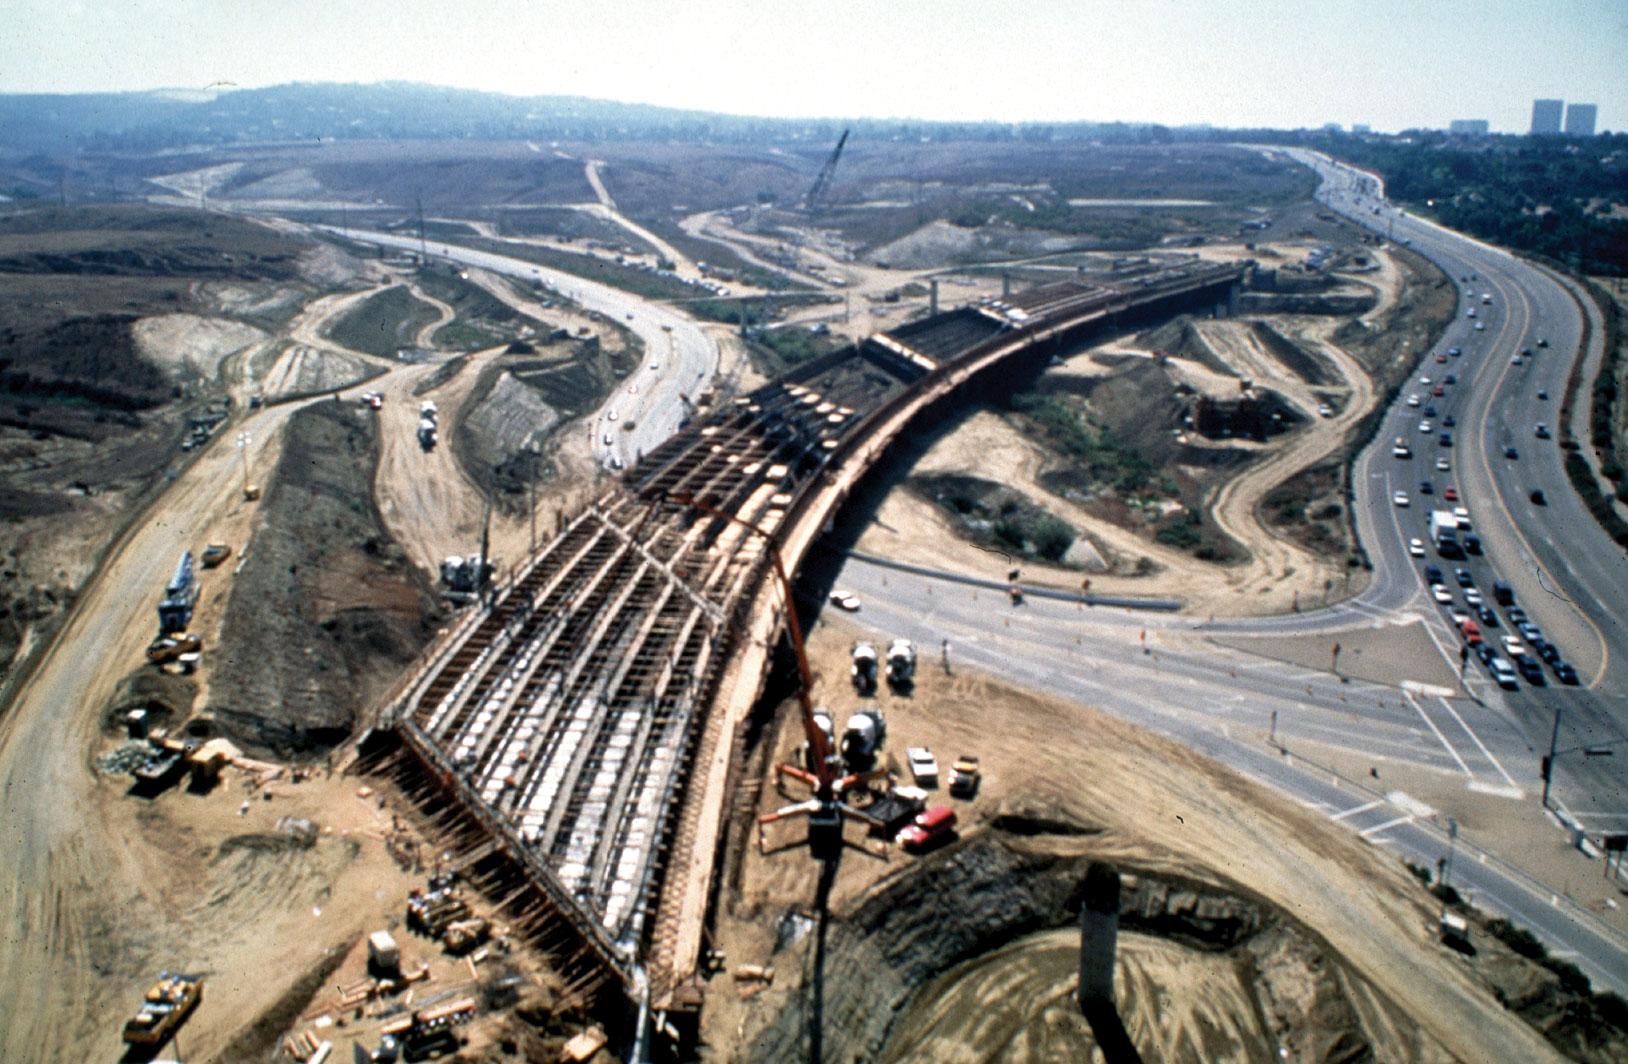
<point x="647" y="407"/>
<point x="1160" y="670"/>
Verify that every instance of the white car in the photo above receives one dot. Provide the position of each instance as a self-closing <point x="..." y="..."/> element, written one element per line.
<point x="1424" y="380"/>
<point x="1441" y="594"/>
<point x="1399" y="498"/>
<point x="1413" y="399"/>
<point x="611" y="415"/>
<point x="1472" y="597"/>
<point x="1443" y="464"/>
<point x="1325" y="411"/>
<point x="845" y="600"/>
<point x="1513" y="646"/>
<point x="1424" y="426"/>
<point x="1480" y="326"/>
<point x="923" y="766"/>
<point x="609" y="439"/>
<point x="1416" y="547"/>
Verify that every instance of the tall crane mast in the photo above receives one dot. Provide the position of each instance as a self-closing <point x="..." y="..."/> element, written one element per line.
<point x="811" y="201"/>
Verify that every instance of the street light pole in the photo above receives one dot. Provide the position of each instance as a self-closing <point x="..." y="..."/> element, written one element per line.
<point x="1549" y="762"/>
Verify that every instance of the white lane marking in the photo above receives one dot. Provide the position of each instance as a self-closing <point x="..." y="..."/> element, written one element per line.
<point x="1357" y="809"/>
<point x="1432" y="724"/>
<point x="1378" y="828"/>
<point x="1479" y="744"/>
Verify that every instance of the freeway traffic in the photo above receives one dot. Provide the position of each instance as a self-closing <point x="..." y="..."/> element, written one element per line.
<point x="1566" y="573"/>
<point x="1152" y="670"/>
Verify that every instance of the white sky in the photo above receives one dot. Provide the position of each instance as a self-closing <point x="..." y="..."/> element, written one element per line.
<point x="1286" y="63"/>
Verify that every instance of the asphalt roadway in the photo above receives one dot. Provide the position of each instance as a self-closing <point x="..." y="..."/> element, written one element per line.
<point x="1190" y="680"/>
<point x="646" y="408"/>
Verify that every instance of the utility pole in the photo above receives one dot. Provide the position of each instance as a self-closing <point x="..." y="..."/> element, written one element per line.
<point x="1447" y="869"/>
<point x="423" y="246"/>
<point x="243" y="441"/>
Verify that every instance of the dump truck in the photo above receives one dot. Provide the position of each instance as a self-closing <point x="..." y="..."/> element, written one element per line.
<point x="862" y="739"/>
<point x="165" y="1008"/>
<point x="863" y="669"/>
<point x="180" y="595"/>
<point x="168" y="648"/>
<point x="901" y="663"/>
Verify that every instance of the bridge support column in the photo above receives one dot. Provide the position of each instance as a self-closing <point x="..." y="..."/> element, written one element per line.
<point x="932" y="297"/>
<point x="1234" y="290"/>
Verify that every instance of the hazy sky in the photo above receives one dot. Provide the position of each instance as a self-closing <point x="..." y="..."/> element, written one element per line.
<point x="1390" y="63"/>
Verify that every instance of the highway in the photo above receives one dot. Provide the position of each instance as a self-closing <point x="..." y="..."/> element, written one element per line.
<point x="1565" y="571"/>
<point x="1167" y="673"/>
<point x="679" y="358"/>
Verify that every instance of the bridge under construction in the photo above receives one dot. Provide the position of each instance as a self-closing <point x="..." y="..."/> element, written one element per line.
<point x="581" y="721"/>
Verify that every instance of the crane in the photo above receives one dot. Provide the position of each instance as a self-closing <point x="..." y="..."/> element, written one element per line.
<point x="823" y="181"/>
<point x="825" y="807"/>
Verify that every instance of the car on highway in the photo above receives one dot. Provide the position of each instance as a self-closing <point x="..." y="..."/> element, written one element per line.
<point x="1441" y="594"/>
<point x="1416" y="547"/>
<point x="1455" y="351"/>
<point x="1488" y="615"/>
<point x="1425" y="426"/>
<point x="1450" y="493"/>
<point x="1541" y="432"/>
<point x="1429" y="411"/>
<point x="1451" y="378"/>
<point x="1432" y="574"/>
<point x="1438" y="390"/>
<point x="1464" y="577"/>
<point x="1542" y="342"/>
<point x="1511" y="452"/>
<point x="1516" y="615"/>
<point x="1565" y="673"/>
<point x="1400" y="449"/>
<point x="1480" y="326"/>
<point x="1531" y="670"/>
<point x="1399" y="498"/>
<point x="1445" y="439"/>
<point x="1515" y="360"/>
<point x="1424" y="380"/>
<point x="1449" y="422"/>
<point x="1470" y="313"/>
<point x="1513" y="646"/>
<point x="1532" y="632"/>
<point x="1472" y="598"/>
<point x="1463" y="516"/>
<point x="845" y="600"/>
<point x="1426" y="488"/>
<point x="611" y="415"/>
<point x="1503" y="672"/>
<point x="1543" y="394"/>
<point x="1443" y="465"/>
<point x="1441" y="358"/>
<point x="1413" y="399"/>
<point x="1486" y="652"/>
<point x="1537" y="497"/>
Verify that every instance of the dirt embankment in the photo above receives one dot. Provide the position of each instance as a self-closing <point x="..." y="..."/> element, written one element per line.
<point x="998" y="889"/>
<point x="326" y="610"/>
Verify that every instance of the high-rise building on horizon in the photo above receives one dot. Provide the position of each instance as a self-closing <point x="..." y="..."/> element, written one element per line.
<point x="1546" y="115"/>
<point x="1580" y="119"/>
<point x="1468" y="127"/>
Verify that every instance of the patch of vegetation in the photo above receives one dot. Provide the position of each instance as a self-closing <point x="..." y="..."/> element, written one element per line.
<point x="645" y="283"/>
<point x="1107" y="459"/>
<point x="467" y="337"/>
<point x="793" y="344"/>
<point x="998" y="515"/>
<point x="1536" y="194"/>
<point x="384" y="322"/>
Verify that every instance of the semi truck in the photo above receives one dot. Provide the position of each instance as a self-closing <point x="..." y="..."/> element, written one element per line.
<point x="1444" y="534"/>
<point x="180" y="595"/>
<point x="166" y="1007"/>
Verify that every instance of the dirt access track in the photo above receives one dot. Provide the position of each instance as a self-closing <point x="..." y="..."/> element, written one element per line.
<point x="1365" y="969"/>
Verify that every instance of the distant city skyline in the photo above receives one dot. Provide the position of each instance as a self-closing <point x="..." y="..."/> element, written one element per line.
<point x="1386" y="64"/>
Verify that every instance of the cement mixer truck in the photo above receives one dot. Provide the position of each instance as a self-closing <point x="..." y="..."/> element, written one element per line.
<point x="863" y="669"/>
<point x="901" y="664"/>
<point x="863" y="737"/>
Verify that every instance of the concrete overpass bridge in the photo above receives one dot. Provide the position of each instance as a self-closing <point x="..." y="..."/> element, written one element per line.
<point x="581" y="723"/>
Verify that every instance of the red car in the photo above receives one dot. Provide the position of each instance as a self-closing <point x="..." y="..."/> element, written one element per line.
<point x="928" y="828"/>
<point x="1450" y="494"/>
<point x="1438" y="390"/>
<point x="1441" y="358"/>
